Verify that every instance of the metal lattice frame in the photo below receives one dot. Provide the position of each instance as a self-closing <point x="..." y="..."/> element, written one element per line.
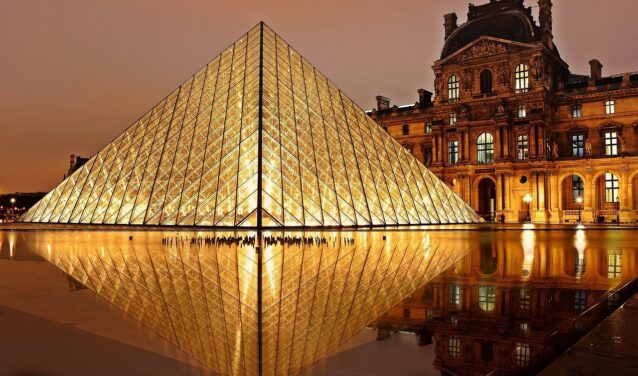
<point x="256" y="138"/>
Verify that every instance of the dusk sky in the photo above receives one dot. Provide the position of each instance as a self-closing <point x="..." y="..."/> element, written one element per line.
<point x="75" y="73"/>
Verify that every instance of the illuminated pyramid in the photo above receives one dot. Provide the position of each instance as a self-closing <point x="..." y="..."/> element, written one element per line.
<point x="256" y="138"/>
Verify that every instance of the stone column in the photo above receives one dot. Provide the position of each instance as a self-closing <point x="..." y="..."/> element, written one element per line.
<point x="467" y="146"/>
<point x="624" y="215"/>
<point x="499" y="195"/>
<point x="554" y="187"/>
<point x="435" y="152"/>
<point x="497" y="144"/>
<point x="506" y="142"/>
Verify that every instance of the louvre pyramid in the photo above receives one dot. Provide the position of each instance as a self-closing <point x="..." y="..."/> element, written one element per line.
<point x="216" y="303"/>
<point x="256" y="138"/>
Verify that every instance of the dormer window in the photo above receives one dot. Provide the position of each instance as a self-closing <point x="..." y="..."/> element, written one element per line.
<point x="453" y="87"/>
<point x="521" y="78"/>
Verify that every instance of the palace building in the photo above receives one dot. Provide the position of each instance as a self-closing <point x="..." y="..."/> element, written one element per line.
<point x="514" y="132"/>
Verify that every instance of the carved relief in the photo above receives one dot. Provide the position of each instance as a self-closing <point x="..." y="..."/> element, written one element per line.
<point x="482" y="49"/>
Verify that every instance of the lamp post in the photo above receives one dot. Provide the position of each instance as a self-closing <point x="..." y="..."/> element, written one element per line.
<point x="579" y="201"/>
<point x="13" y="206"/>
<point x="528" y="200"/>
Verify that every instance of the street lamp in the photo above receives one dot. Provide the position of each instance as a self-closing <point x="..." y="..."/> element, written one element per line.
<point x="528" y="200"/>
<point x="579" y="201"/>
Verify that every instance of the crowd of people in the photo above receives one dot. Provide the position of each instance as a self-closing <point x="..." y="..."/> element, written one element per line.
<point x="246" y="240"/>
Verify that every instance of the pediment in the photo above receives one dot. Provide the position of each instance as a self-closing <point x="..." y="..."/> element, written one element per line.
<point x="485" y="47"/>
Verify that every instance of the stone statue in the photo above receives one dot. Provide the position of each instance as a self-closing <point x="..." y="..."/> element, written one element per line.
<point x="554" y="150"/>
<point x="467" y="80"/>
<point x="437" y="84"/>
<point x="538" y="68"/>
<point x="621" y="145"/>
<point x="588" y="147"/>
<point x="505" y="73"/>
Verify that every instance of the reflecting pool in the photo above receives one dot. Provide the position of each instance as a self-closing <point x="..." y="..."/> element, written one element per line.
<point x="491" y="300"/>
<point x="518" y="299"/>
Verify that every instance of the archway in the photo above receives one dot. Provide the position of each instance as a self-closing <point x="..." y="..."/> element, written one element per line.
<point x="487" y="199"/>
<point x="572" y="197"/>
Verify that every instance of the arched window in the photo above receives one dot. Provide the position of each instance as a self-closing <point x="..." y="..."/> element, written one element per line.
<point x="453" y="87"/>
<point x="486" y="81"/>
<point x="485" y="148"/>
<point x="522" y="78"/>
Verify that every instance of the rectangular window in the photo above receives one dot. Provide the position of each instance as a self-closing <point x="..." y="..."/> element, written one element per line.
<point x="406" y="313"/>
<point x="453" y="118"/>
<point x="578" y="145"/>
<point x="522" y="111"/>
<point x="453" y="152"/>
<point x="613" y="301"/>
<point x="577" y="110"/>
<point x="611" y="188"/>
<point x="428" y="127"/>
<point x="522" y="145"/>
<point x="487" y="298"/>
<point x="578" y="187"/>
<point x="611" y="143"/>
<point x="610" y="107"/>
<point x="454" y="347"/>
<point x="523" y="327"/>
<point x="455" y="295"/>
<point x="427" y="156"/>
<point x="614" y="265"/>
<point x="406" y="129"/>
<point x="522" y="354"/>
<point x="580" y="300"/>
<point x="523" y="299"/>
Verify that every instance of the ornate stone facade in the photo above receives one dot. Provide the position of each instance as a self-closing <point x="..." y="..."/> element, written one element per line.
<point x="509" y="122"/>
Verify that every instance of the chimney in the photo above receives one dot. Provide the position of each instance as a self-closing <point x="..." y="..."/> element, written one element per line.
<point x="596" y="69"/>
<point x="425" y="98"/>
<point x="545" y="19"/>
<point x="450" y="24"/>
<point x="383" y="103"/>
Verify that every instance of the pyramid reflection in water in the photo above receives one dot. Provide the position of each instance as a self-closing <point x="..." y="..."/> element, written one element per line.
<point x="205" y="298"/>
<point x="256" y="138"/>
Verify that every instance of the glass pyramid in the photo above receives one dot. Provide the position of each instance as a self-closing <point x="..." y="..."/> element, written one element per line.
<point x="256" y="138"/>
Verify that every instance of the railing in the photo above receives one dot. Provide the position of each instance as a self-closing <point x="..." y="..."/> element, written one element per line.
<point x="571" y="212"/>
<point x="607" y="213"/>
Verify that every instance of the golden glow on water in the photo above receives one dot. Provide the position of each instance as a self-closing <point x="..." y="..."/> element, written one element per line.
<point x="204" y="296"/>
<point x="528" y="252"/>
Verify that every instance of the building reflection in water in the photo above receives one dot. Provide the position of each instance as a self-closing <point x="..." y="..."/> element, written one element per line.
<point x="517" y="300"/>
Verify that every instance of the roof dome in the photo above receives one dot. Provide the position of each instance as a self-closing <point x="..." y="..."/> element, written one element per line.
<point x="511" y="25"/>
<point x="504" y="19"/>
